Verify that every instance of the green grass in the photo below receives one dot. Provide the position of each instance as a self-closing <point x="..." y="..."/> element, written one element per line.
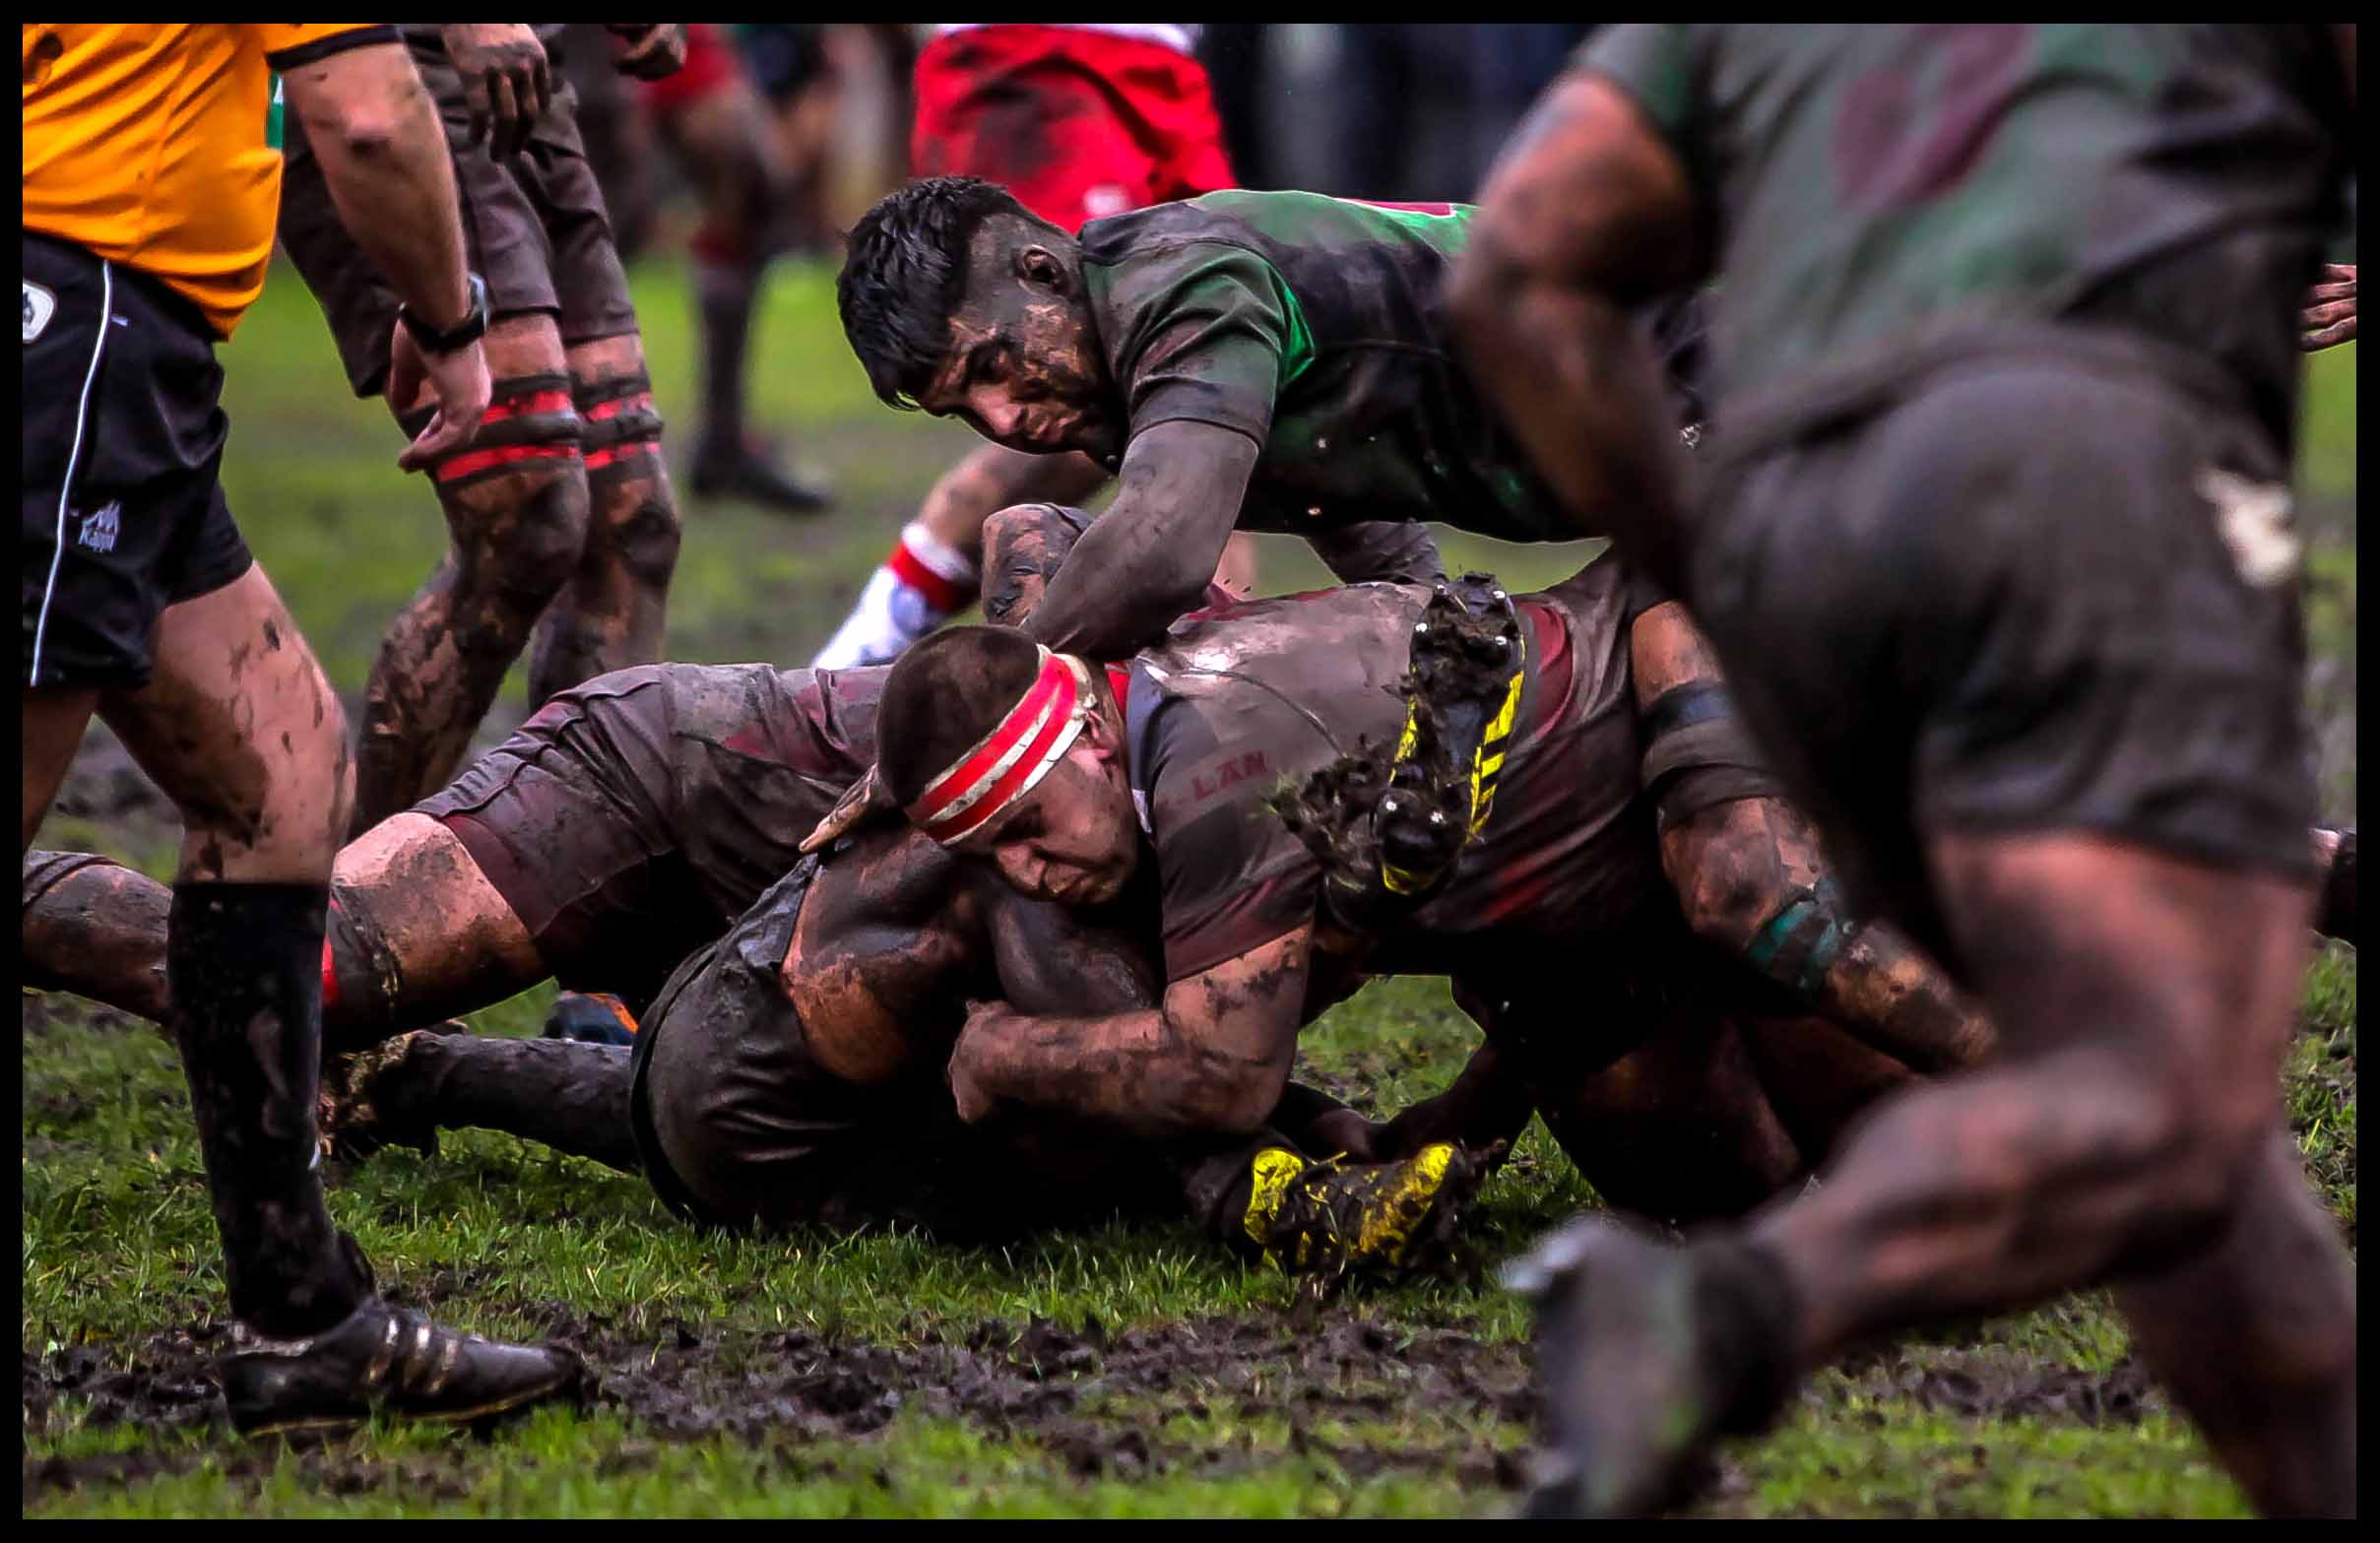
<point x="118" y="1244"/>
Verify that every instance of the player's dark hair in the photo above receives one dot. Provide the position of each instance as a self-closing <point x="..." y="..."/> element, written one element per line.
<point x="905" y="273"/>
<point x="945" y="694"/>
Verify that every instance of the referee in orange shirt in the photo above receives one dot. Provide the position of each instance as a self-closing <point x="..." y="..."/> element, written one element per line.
<point x="152" y="177"/>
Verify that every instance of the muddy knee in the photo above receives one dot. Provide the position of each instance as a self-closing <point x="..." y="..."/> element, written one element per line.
<point x="1024" y="546"/>
<point x="516" y="496"/>
<point x="635" y="513"/>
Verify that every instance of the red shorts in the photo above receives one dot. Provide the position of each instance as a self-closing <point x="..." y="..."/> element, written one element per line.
<point x="711" y="64"/>
<point x="1078" y="124"/>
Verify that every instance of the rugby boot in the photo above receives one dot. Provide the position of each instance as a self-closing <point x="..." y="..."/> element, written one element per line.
<point x="353" y="1117"/>
<point x="744" y="468"/>
<point x="1329" y="1219"/>
<point x="590" y="1018"/>
<point x="388" y="1359"/>
<point x="1647" y="1353"/>
<point x="2335" y="907"/>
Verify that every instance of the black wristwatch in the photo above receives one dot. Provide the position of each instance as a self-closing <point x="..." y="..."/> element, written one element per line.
<point x="471" y="329"/>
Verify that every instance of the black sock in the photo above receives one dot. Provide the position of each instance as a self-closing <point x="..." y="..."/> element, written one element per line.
<point x="569" y="1096"/>
<point x="244" y="965"/>
<point x="725" y="294"/>
<point x="1748" y="1312"/>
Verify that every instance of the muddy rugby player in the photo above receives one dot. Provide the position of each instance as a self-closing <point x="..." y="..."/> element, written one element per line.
<point x="792" y="1069"/>
<point x="1630" y="831"/>
<point x="1998" y="555"/>
<point x="150" y="187"/>
<point x="1078" y="120"/>
<point x="559" y="511"/>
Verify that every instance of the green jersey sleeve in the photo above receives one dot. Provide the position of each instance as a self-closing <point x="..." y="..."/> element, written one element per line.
<point x="1202" y="332"/>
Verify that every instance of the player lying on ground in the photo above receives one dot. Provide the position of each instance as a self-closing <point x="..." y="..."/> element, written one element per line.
<point x="559" y="511"/>
<point x="1997" y="549"/>
<point x="625" y="827"/>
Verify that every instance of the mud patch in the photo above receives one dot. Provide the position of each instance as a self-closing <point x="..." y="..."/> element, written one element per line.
<point x="1996" y="1385"/>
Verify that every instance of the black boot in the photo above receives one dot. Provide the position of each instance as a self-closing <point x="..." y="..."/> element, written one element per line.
<point x="313" y="1348"/>
<point x="1648" y="1354"/>
<point x="570" y="1096"/>
<point x="386" y="1358"/>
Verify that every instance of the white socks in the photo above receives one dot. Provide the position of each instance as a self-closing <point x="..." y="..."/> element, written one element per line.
<point x="920" y="586"/>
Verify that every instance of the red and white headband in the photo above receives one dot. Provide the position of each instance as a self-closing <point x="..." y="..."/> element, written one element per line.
<point x="1008" y="763"/>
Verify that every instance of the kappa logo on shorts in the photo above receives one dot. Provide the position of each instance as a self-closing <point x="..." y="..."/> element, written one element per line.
<point x="2254" y="521"/>
<point x="101" y="527"/>
<point x="39" y="306"/>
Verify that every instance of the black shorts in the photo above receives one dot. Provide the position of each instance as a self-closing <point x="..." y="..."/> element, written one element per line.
<point x="534" y="227"/>
<point x="2048" y="586"/>
<point x="123" y="439"/>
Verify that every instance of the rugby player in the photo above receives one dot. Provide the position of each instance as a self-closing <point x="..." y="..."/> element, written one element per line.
<point x="1629" y="832"/>
<point x="796" y="1063"/>
<point x="713" y="118"/>
<point x="150" y="190"/>
<point x="560" y="512"/>
<point x="1997" y="552"/>
<point x="1078" y="120"/>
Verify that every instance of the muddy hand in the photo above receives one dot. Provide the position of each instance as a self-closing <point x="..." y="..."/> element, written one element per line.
<point x="968" y="1092"/>
<point x="459" y="386"/>
<point x="651" y="50"/>
<point x="864" y="802"/>
<point x="506" y="82"/>
<point x="2329" y="316"/>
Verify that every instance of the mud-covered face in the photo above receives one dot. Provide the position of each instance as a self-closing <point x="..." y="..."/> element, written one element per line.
<point x="1025" y="368"/>
<point x="1074" y="839"/>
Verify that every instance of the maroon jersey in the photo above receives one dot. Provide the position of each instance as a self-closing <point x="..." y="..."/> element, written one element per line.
<point x="1235" y="705"/>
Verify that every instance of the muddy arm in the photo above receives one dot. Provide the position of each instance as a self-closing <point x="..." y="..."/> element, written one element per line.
<point x="1147" y="559"/>
<point x="1587" y="216"/>
<point x="1214" y="1057"/>
<point x="1485" y="1106"/>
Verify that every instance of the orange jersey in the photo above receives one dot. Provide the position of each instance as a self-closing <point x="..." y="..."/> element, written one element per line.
<point x="148" y="144"/>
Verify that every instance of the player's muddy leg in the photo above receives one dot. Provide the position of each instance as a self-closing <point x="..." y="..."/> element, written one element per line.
<point x="2257" y="1340"/>
<point x="1678" y="1130"/>
<point x="516" y="516"/>
<point x="417" y="934"/>
<point x="573" y="1097"/>
<point x="53" y="725"/>
<point x="93" y="927"/>
<point x="610" y="615"/>
<point x="2142" y="1002"/>
<point x="1750" y="875"/>
<point x="241" y="731"/>
<point x="1818" y="1078"/>
<point x="935" y="567"/>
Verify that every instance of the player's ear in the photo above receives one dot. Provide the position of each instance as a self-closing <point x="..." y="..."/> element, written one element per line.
<point x="1042" y="268"/>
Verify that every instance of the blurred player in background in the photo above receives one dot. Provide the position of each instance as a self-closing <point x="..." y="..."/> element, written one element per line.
<point x="560" y="513"/>
<point x="725" y="120"/>
<point x="1079" y="122"/>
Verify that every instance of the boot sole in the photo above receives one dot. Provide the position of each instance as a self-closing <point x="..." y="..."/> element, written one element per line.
<point x="325" y="1425"/>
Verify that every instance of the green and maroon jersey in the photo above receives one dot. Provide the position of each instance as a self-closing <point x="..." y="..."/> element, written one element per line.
<point x="1317" y="327"/>
<point x="1235" y="704"/>
<point x="1880" y="185"/>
